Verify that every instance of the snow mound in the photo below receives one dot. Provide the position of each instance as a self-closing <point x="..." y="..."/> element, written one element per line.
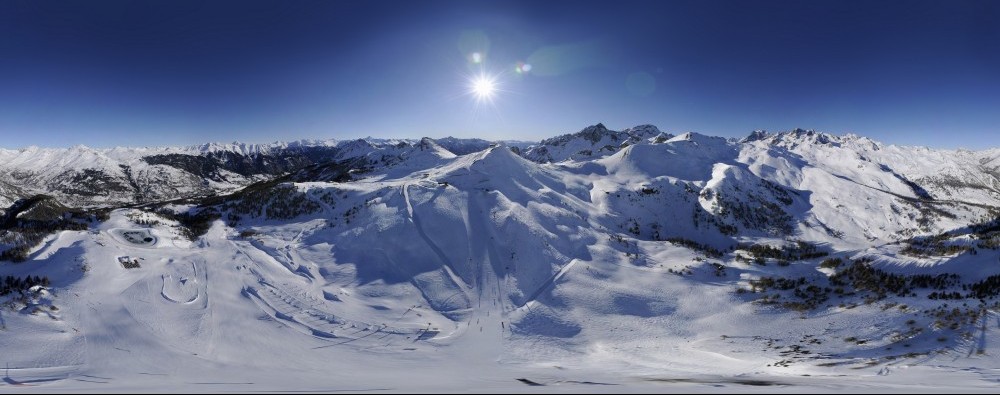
<point x="687" y="157"/>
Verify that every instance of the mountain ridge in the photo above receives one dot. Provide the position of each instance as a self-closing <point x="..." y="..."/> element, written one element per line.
<point x="796" y="252"/>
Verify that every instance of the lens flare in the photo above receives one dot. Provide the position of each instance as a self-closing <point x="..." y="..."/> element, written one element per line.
<point x="476" y="57"/>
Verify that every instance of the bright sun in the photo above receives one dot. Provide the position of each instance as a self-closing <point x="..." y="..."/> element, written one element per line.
<point x="483" y="87"/>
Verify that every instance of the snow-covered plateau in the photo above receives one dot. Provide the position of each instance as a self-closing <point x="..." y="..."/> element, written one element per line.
<point x="600" y="261"/>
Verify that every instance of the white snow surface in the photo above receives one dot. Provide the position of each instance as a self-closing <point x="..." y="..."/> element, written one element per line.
<point x="84" y="176"/>
<point x="488" y="272"/>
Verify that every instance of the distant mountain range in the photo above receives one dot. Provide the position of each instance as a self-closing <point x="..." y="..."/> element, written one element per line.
<point x="88" y="177"/>
<point x="801" y="249"/>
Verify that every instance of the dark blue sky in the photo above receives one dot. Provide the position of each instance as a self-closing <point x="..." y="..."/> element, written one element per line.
<point x="106" y="73"/>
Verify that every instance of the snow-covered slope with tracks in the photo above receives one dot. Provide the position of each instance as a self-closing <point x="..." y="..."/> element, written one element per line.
<point x="671" y="263"/>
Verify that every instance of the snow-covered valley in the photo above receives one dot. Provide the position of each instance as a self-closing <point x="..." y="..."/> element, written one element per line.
<point x="601" y="261"/>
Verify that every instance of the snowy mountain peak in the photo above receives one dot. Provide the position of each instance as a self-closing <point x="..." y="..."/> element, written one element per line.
<point x="462" y="146"/>
<point x="811" y="135"/>
<point x="808" y="137"/>
<point x="644" y="130"/>
<point x="497" y="161"/>
<point x="30" y="148"/>
<point x="804" y="136"/>
<point x="697" y="138"/>
<point x="755" y="135"/>
<point x="367" y="250"/>
<point x="498" y="152"/>
<point x="593" y="133"/>
<point x="249" y="149"/>
<point x="660" y="138"/>
<point x="862" y="141"/>
<point x="592" y="142"/>
<point x="428" y="144"/>
<point x="357" y="143"/>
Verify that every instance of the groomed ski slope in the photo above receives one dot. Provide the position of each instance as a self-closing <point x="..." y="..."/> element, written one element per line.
<point x="483" y="272"/>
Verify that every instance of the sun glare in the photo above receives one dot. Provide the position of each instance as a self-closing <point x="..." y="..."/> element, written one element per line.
<point x="483" y="87"/>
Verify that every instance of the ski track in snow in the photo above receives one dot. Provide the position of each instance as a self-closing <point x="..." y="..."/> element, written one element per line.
<point x="490" y="272"/>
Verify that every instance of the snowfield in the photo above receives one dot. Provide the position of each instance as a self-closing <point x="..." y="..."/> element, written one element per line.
<point x="667" y="263"/>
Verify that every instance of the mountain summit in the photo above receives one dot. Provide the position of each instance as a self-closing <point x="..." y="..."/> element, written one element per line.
<point x="613" y="255"/>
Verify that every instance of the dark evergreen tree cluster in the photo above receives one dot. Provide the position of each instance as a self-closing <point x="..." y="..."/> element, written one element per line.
<point x="276" y="201"/>
<point x="757" y="212"/>
<point x="831" y="263"/>
<point x="694" y="245"/>
<point x="861" y="276"/>
<point x="700" y="216"/>
<point x="876" y="284"/>
<point x="987" y="227"/>
<point x="808" y="295"/>
<point x="13" y="284"/>
<point x="936" y="245"/>
<point x="800" y="250"/>
<point x="29" y="220"/>
<point x="193" y="225"/>
<point x="780" y="193"/>
<point x="988" y="288"/>
<point x="779" y="283"/>
<point x="936" y="295"/>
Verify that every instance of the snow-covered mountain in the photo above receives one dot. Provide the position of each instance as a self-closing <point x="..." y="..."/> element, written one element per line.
<point x="84" y="176"/>
<point x="793" y="259"/>
<point x="8" y="194"/>
<point x="592" y="142"/>
<point x="88" y="177"/>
